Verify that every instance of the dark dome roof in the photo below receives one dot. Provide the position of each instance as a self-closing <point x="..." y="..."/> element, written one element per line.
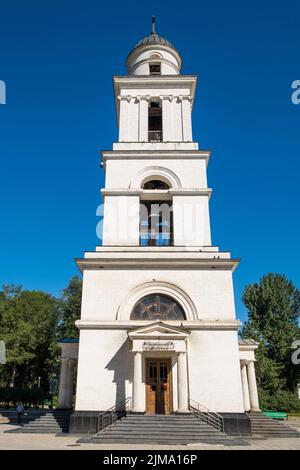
<point x="153" y="38"/>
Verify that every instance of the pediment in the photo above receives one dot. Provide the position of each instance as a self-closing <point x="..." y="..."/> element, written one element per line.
<point x="158" y="330"/>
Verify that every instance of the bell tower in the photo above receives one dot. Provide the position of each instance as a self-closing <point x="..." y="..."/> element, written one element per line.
<point x="155" y="158"/>
<point x="157" y="296"/>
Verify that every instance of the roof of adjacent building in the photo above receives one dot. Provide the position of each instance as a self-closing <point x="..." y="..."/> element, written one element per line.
<point x="247" y="342"/>
<point x="69" y="340"/>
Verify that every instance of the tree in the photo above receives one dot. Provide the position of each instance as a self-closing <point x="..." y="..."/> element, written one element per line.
<point x="70" y="308"/>
<point x="28" y="322"/>
<point x="273" y="309"/>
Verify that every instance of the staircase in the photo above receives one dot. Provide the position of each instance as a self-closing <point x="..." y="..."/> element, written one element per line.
<point x="268" y="427"/>
<point x="47" y="422"/>
<point x="160" y="429"/>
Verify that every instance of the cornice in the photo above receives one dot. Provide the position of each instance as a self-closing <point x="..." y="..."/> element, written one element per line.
<point x="172" y="192"/>
<point x="232" y="325"/>
<point x="157" y="154"/>
<point x="157" y="263"/>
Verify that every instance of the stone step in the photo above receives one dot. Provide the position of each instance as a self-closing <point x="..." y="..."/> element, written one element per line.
<point x="50" y="422"/>
<point x="201" y="427"/>
<point x="167" y="441"/>
<point x="161" y="432"/>
<point x="268" y="427"/>
<point x="171" y="429"/>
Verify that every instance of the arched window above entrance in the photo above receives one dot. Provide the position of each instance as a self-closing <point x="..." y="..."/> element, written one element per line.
<point x="157" y="307"/>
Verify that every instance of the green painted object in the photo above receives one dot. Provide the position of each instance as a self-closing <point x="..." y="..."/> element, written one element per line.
<point x="276" y="414"/>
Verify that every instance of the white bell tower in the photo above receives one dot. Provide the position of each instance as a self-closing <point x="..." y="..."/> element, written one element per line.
<point x="154" y="107"/>
<point x="156" y="262"/>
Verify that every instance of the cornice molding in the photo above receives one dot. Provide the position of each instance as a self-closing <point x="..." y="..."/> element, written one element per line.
<point x="140" y="192"/>
<point x="157" y="154"/>
<point x="157" y="263"/>
<point x="232" y="325"/>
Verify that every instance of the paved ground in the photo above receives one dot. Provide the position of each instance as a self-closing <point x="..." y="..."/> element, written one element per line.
<point x="11" y="441"/>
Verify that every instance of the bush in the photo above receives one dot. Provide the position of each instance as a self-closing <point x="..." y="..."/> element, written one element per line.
<point x="28" y="396"/>
<point x="282" y="400"/>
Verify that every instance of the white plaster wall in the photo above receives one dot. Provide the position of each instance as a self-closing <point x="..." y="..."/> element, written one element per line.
<point x="104" y="291"/>
<point x="172" y="121"/>
<point x="247" y="355"/>
<point x="121" y="172"/>
<point x="104" y="374"/>
<point x="214" y="370"/>
<point x="129" y="121"/>
<point x="105" y="370"/>
<point x="121" y="221"/>
<point x="191" y="221"/>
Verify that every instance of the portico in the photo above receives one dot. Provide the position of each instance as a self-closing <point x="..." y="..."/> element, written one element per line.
<point x="247" y="360"/>
<point x="159" y="341"/>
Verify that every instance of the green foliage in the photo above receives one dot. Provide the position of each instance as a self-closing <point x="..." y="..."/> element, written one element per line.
<point x="273" y="308"/>
<point x="281" y="400"/>
<point x="28" y="396"/>
<point x="70" y="307"/>
<point x="31" y="322"/>
<point x="28" y="322"/>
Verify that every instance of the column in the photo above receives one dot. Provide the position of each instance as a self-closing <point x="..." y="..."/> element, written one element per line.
<point x="252" y="386"/>
<point x="245" y="386"/>
<point x="166" y="102"/>
<point x="63" y="383"/>
<point x="70" y="376"/>
<point x="143" y="117"/>
<point x="182" y="383"/>
<point x="138" y="389"/>
<point x="186" y="113"/>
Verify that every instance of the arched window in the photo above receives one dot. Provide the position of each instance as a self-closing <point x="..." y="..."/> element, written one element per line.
<point x="157" y="307"/>
<point x="155" y="184"/>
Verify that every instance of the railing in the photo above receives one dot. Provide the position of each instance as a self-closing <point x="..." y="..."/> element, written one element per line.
<point x="155" y="136"/>
<point x="113" y="414"/>
<point x="208" y="416"/>
<point x="160" y="239"/>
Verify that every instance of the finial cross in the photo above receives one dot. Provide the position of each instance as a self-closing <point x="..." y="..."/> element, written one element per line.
<point x="153" y="25"/>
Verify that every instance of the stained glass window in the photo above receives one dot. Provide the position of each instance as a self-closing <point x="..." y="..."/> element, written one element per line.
<point x="157" y="307"/>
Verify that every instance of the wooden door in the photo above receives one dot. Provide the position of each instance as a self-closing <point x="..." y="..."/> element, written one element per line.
<point x="158" y="386"/>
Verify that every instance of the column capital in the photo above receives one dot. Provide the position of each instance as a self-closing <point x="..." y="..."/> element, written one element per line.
<point x="184" y="97"/>
<point x="124" y="98"/>
<point x="167" y="97"/>
<point x="139" y="98"/>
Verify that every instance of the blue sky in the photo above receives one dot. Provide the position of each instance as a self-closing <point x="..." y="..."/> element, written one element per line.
<point x="57" y="59"/>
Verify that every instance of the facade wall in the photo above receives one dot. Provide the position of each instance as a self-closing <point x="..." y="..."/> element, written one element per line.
<point x="120" y="173"/>
<point x="105" y="370"/>
<point x="191" y="221"/>
<point x="121" y="221"/>
<point x="104" y="291"/>
<point x="214" y="370"/>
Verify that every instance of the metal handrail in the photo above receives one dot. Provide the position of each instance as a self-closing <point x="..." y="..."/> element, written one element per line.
<point x="111" y="415"/>
<point x="155" y="136"/>
<point x="207" y="415"/>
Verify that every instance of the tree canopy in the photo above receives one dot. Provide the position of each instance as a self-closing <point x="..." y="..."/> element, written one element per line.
<point x="31" y="322"/>
<point x="273" y="307"/>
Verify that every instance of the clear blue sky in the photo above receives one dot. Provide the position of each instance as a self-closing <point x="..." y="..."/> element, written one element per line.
<point x="57" y="59"/>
